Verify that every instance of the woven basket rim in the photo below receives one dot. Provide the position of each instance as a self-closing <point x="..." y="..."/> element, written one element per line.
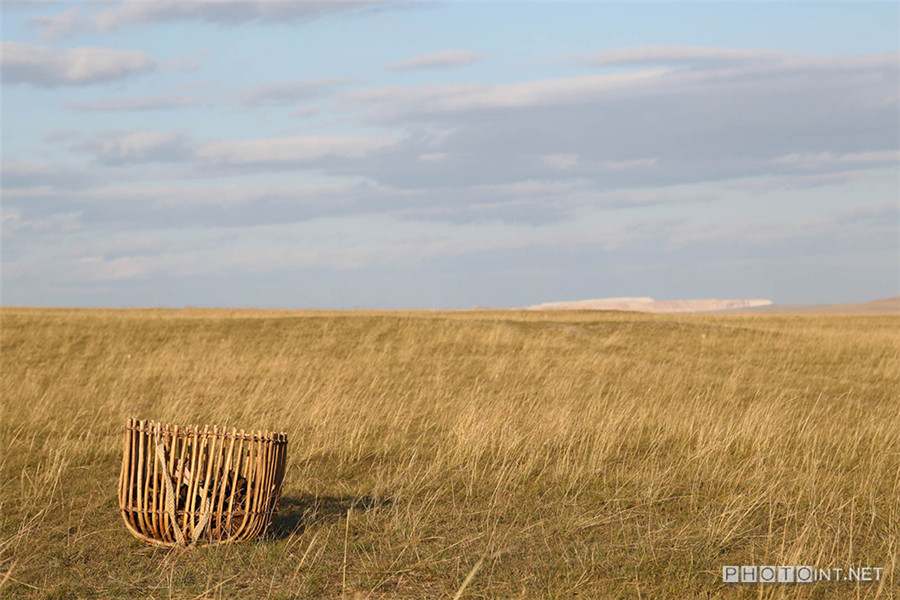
<point x="146" y="426"/>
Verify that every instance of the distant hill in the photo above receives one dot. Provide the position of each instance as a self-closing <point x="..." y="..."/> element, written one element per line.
<point x="650" y="305"/>
<point x="887" y="306"/>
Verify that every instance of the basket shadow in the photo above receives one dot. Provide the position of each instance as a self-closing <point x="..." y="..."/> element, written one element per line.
<point x="296" y="513"/>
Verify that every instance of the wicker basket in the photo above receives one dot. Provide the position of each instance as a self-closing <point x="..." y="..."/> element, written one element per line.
<point x="184" y="486"/>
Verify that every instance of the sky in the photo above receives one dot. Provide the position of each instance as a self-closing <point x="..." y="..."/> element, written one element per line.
<point x="447" y="155"/>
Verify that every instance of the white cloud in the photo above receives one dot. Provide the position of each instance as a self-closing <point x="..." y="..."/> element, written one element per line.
<point x="436" y="60"/>
<point x="208" y="157"/>
<point x="117" y="245"/>
<point x="567" y="162"/>
<point x="561" y="162"/>
<point x="568" y="195"/>
<point x="46" y="66"/>
<point x="673" y="54"/>
<point x="14" y="222"/>
<point x="509" y="152"/>
<point x="833" y="227"/>
<point x="223" y="195"/>
<point x="731" y="62"/>
<point x="532" y="187"/>
<point x="195" y="86"/>
<point x="64" y="24"/>
<point x="218" y="12"/>
<point x="774" y="71"/>
<point x="769" y="183"/>
<point x="139" y="147"/>
<point x="397" y="101"/>
<point x="715" y="121"/>
<point x="31" y="174"/>
<point x="137" y="103"/>
<point x="619" y="165"/>
<point x="884" y="214"/>
<point x="295" y="149"/>
<point x="330" y="245"/>
<point x="305" y="111"/>
<point x="848" y="160"/>
<point x="289" y="92"/>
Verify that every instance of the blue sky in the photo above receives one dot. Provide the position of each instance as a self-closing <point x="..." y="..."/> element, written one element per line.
<point x="447" y="155"/>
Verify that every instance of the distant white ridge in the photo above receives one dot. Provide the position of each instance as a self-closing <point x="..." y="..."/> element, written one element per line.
<point x="650" y="305"/>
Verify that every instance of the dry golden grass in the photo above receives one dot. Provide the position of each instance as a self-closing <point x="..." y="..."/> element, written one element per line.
<point x="593" y="455"/>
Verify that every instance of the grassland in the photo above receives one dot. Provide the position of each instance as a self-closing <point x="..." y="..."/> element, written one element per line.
<point x="547" y="455"/>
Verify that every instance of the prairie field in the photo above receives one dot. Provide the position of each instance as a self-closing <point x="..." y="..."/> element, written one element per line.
<point x="494" y="454"/>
